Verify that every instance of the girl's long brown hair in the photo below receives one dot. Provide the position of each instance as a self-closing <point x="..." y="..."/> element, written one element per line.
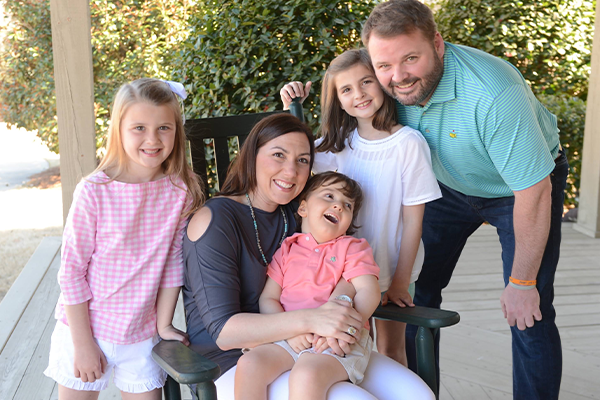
<point x="336" y="124"/>
<point x="158" y="93"/>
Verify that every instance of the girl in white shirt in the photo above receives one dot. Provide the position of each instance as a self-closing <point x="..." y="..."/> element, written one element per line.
<point x="392" y="163"/>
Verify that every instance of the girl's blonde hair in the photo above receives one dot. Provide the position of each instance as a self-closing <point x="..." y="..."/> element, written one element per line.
<point x="336" y="124"/>
<point x="157" y="93"/>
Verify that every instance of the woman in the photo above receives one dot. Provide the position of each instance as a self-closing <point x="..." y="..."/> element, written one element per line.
<point x="228" y="244"/>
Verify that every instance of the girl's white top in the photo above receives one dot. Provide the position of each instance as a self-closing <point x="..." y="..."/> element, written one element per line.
<point x="393" y="172"/>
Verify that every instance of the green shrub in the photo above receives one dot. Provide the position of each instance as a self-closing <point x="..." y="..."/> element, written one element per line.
<point x="27" y="88"/>
<point x="130" y="39"/>
<point x="548" y="41"/>
<point x="570" y="112"/>
<point x="240" y="53"/>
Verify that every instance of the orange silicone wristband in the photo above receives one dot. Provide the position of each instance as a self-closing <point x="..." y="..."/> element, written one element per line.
<point x="520" y="282"/>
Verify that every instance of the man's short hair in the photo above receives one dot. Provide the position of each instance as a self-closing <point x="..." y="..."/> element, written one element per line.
<point x="399" y="17"/>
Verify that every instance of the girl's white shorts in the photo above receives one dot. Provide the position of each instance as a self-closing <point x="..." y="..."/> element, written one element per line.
<point x="134" y="369"/>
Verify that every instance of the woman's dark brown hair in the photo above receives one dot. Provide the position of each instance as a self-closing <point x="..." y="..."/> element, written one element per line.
<point x="336" y="124"/>
<point x="351" y="189"/>
<point x="241" y="176"/>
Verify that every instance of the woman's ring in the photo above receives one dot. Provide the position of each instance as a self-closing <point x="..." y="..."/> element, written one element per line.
<point x="351" y="330"/>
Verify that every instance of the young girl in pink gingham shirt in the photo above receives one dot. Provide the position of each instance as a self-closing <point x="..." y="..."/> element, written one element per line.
<point x="122" y="265"/>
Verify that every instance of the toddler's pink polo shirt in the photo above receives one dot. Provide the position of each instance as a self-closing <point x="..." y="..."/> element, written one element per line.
<point x="308" y="271"/>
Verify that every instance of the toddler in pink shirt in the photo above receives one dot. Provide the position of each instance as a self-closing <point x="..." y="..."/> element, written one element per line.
<point x="310" y="268"/>
<point x="121" y="262"/>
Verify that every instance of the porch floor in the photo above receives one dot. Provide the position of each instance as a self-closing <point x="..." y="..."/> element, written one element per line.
<point x="475" y="354"/>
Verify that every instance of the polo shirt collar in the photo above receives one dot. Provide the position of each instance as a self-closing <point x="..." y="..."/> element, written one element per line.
<point x="446" y="89"/>
<point x="307" y="240"/>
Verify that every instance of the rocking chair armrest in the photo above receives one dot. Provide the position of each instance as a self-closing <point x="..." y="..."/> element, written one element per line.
<point x="183" y="364"/>
<point x="421" y="316"/>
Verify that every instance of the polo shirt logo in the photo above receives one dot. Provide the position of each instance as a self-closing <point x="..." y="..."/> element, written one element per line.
<point x="332" y="259"/>
<point x="453" y="134"/>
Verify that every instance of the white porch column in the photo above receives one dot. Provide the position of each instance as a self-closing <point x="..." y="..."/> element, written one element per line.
<point x="588" y="216"/>
<point x="73" y="77"/>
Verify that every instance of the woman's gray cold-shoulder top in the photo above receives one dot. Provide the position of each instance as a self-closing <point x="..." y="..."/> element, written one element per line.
<point x="224" y="272"/>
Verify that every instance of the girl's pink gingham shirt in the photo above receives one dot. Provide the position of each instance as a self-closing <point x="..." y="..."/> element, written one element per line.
<point x="121" y="243"/>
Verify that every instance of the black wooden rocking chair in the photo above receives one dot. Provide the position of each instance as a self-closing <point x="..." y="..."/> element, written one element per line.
<point x="183" y="365"/>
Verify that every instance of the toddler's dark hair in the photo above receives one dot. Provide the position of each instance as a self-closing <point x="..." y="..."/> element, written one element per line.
<point x="351" y="190"/>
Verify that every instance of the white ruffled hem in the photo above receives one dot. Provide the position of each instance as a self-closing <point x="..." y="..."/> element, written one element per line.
<point x="154" y="383"/>
<point x="76" y="384"/>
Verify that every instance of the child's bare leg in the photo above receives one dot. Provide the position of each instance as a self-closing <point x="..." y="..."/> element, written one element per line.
<point x="390" y="340"/>
<point x="313" y="375"/>
<point x="258" y="368"/>
<point x="65" y="393"/>
<point x="155" y="394"/>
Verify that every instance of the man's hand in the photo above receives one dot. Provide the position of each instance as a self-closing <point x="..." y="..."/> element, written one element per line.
<point x="301" y="342"/>
<point x="292" y="90"/>
<point x="89" y="362"/>
<point x="521" y="307"/>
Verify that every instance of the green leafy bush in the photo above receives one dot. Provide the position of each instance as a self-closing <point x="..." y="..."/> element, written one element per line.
<point x="130" y="39"/>
<point x="548" y="41"/>
<point x="26" y="67"/>
<point x="240" y="53"/>
<point x="570" y="112"/>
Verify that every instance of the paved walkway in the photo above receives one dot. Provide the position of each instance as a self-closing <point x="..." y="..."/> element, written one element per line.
<point x="26" y="214"/>
<point x="22" y="154"/>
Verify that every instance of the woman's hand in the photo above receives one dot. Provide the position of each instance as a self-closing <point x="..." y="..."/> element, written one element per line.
<point x="169" y="332"/>
<point x="398" y="294"/>
<point x="89" y="362"/>
<point x="333" y="319"/>
<point x="292" y="90"/>
<point x="301" y="342"/>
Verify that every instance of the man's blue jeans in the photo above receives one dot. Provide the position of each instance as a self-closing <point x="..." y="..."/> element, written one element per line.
<point x="447" y="224"/>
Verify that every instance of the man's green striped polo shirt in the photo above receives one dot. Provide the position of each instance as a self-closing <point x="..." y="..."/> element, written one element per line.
<point x="488" y="134"/>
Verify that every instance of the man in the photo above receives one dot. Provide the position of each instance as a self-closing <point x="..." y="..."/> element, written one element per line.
<point x="496" y="154"/>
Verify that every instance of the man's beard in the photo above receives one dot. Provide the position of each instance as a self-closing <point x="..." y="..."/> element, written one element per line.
<point x="427" y="85"/>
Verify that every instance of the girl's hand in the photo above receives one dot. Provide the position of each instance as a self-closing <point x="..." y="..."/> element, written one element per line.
<point x="89" y="362"/>
<point x="169" y="332"/>
<point x="398" y="294"/>
<point x="292" y="90"/>
<point x="301" y="342"/>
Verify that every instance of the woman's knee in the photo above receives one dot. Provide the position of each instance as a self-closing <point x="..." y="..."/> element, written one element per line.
<point x="387" y="380"/>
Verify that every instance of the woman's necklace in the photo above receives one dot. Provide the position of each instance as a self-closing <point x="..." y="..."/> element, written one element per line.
<point x="256" y="229"/>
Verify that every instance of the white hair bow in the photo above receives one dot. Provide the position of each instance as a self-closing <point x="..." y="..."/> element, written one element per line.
<point x="177" y="88"/>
